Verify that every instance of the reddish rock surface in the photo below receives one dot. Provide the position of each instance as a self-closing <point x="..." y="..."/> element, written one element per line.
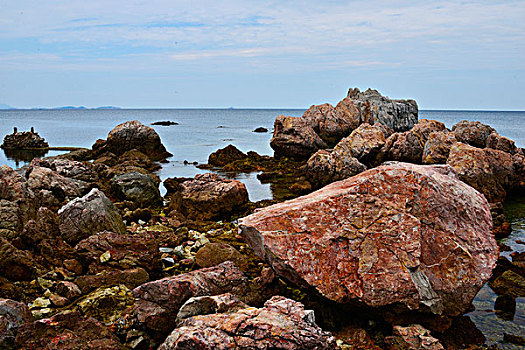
<point x="365" y="142"/>
<point x="400" y="234"/>
<point x="88" y="215"/>
<point x="225" y="155"/>
<point x="17" y="199"/>
<point x="213" y="254"/>
<point x="281" y="324"/>
<point x="501" y="143"/>
<point x="158" y="302"/>
<point x="13" y="314"/>
<point x="437" y="147"/>
<point x="133" y="135"/>
<point x="324" y="167"/>
<point x="472" y="133"/>
<point x="413" y="337"/>
<point x="15" y="264"/>
<point x="488" y="170"/>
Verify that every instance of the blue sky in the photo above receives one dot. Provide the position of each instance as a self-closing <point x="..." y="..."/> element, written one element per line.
<point x="173" y="53"/>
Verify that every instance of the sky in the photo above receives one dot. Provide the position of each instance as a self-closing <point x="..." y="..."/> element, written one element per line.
<point x="261" y="54"/>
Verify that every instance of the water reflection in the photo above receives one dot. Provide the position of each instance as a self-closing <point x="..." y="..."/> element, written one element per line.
<point x="23" y="156"/>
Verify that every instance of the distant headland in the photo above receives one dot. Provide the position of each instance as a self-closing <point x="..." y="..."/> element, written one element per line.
<point x="5" y="107"/>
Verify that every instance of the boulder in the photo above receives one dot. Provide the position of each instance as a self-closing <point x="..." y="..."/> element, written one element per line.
<point x="206" y="305"/>
<point x="488" y="170"/>
<point x="158" y="302"/>
<point x="68" y="330"/>
<point x="501" y="143"/>
<point x="207" y="196"/>
<point x="133" y="135"/>
<point x="226" y="155"/>
<point x="398" y="115"/>
<point x="138" y="188"/>
<point x="13" y="314"/>
<point x="404" y="235"/>
<point x="17" y="199"/>
<point x="295" y="137"/>
<point x="213" y="254"/>
<point x="88" y="215"/>
<point x="365" y="142"/>
<point x="15" y="264"/>
<point x="106" y="304"/>
<point x="44" y="226"/>
<point x="131" y="278"/>
<point x="472" y="133"/>
<point x="24" y="140"/>
<point x="324" y="167"/>
<point x="83" y="171"/>
<point x="413" y="337"/>
<point x="437" y="147"/>
<point x="281" y="324"/>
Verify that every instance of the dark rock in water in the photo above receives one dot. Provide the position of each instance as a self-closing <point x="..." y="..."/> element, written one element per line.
<point x="509" y="283"/>
<point x="138" y="188"/>
<point x="133" y="135"/>
<point x="24" y="140"/>
<point x="281" y="324"/>
<point x="383" y="238"/>
<point x="88" y="215"/>
<point x="260" y="129"/>
<point x="514" y="339"/>
<point x="472" y="133"/>
<point x="158" y="302"/>
<point x="13" y="314"/>
<point x="165" y="123"/>
<point x="505" y="306"/>
<point x="225" y="155"/>
<point x="67" y="331"/>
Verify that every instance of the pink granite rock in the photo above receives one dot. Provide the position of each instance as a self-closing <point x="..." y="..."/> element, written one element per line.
<point x="281" y="324"/>
<point x="400" y="234"/>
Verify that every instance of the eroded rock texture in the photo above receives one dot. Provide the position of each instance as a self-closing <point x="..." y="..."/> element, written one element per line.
<point x="400" y="234"/>
<point x="138" y="188"/>
<point x="281" y="324"/>
<point x="13" y="314"/>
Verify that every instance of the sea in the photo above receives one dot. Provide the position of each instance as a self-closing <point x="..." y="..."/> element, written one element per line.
<point x="200" y="132"/>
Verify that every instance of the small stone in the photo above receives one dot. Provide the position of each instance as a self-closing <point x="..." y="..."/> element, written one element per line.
<point x="165" y="250"/>
<point x="58" y="300"/>
<point x="68" y="290"/>
<point x="168" y="262"/>
<point x="141" y="222"/>
<point x="40" y="303"/>
<point x="105" y="257"/>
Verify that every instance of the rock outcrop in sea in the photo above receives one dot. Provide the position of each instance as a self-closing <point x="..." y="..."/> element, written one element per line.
<point x="20" y="140"/>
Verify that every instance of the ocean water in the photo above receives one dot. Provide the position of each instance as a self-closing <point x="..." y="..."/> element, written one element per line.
<point x="203" y="131"/>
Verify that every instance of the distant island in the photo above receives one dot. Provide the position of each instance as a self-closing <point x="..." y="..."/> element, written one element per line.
<point x="4" y="106"/>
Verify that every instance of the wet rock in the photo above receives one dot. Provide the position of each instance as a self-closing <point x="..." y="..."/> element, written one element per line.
<point x="332" y="124"/>
<point x="226" y="155"/>
<point x="24" y="140"/>
<point x="501" y="143"/>
<point x="260" y="129"/>
<point x="509" y="283"/>
<point x="295" y="137"/>
<point x="489" y="171"/>
<point x="88" y="215"/>
<point x="437" y="147"/>
<point x="209" y="305"/>
<point x="514" y="339"/>
<point x="213" y="254"/>
<point x="15" y="264"/>
<point x="68" y="290"/>
<point x="109" y="251"/>
<point x="301" y="187"/>
<point x="158" y="302"/>
<point x="413" y="337"/>
<point x="207" y="196"/>
<point x="13" y="314"/>
<point x="325" y="167"/>
<point x="407" y="232"/>
<point x="505" y="306"/>
<point x="131" y="278"/>
<point x="138" y="188"/>
<point x="462" y="334"/>
<point x="66" y="331"/>
<point x="472" y="133"/>
<point x="353" y="337"/>
<point x="106" y="304"/>
<point x="398" y="115"/>
<point x="133" y="135"/>
<point x="281" y="324"/>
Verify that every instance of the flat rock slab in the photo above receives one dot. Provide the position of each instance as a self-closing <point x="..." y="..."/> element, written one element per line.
<point x="403" y="234"/>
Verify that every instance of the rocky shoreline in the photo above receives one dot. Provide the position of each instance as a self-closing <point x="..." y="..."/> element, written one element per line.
<point x="381" y="231"/>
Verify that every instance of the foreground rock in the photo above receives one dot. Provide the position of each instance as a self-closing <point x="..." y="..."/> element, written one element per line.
<point x="88" y="215"/>
<point x="17" y="200"/>
<point x="13" y="314"/>
<point x="133" y="135"/>
<point x="281" y="324"/>
<point x="399" y="234"/>
<point x="24" y="140"/>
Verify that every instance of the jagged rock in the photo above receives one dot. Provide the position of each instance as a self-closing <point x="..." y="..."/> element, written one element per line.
<point x="353" y="337"/>
<point x="83" y="171"/>
<point x="398" y="115"/>
<point x="88" y="215"/>
<point x="17" y="200"/>
<point x="413" y="337"/>
<point x="138" y="188"/>
<point x="68" y="331"/>
<point x="399" y="234"/>
<point x="437" y="147"/>
<point x="488" y="170"/>
<point x="133" y="135"/>
<point x="472" y="133"/>
<point x="213" y="254"/>
<point x="15" y="264"/>
<point x="44" y="226"/>
<point x="501" y="143"/>
<point x="281" y="324"/>
<point x="294" y="137"/>
<point x="408" y="146"/>
<point x="108" y="251"/>
<point x="207" y="196"/>
<point x="209" y="305"/>
<point x="24" y="140"/>
<point x="131" y="278"/>
<point x="158" y="302"/>
<point x="68" y="290"/>
<point x="13" y="314"/>
<point x="365" y="142"/>
<point x="226" y="155"/>
<point x="106" y="304"/>
<point x="324" y="167"/>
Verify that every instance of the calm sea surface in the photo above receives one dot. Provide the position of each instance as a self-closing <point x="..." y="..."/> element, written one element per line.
<point x="203" y="131"/>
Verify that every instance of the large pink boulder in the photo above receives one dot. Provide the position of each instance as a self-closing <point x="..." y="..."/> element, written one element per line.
<point x="399" y="234"/>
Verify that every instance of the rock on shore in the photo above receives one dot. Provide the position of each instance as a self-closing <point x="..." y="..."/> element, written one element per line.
<point x="397" y="234"/>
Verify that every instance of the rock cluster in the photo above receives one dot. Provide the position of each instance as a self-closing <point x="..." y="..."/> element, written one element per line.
<point x="24" y="140"/>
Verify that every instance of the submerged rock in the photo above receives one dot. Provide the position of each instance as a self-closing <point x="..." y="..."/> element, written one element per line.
<point x="281" y="324"/>
<point x="399" y="234"/>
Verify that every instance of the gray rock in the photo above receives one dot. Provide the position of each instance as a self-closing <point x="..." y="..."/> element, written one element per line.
<point x="472" y="133"/>
<point x="88" y="215"/>
<point x="13" y="314"/>
<point x="138" y="188"/>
